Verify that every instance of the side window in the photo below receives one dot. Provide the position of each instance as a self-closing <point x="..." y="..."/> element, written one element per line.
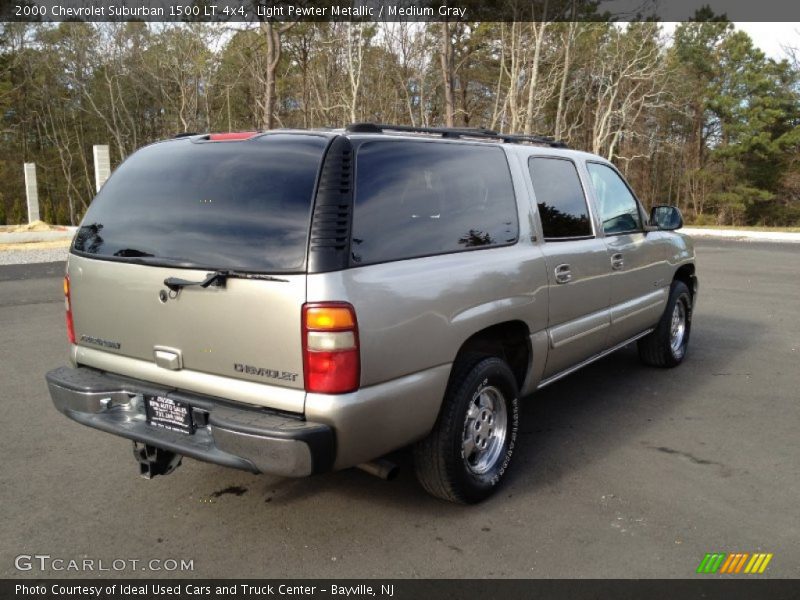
<point x="617" y="206"/>
<point x="559" y="195"/>
<point x="422" y="198"/>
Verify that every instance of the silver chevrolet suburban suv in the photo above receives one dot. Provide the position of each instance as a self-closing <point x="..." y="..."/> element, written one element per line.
<point x="297" y="301"/>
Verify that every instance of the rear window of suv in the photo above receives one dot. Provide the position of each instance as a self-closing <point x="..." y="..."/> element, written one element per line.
<point x="242" y="205"/>
<point x="421" y="198"/>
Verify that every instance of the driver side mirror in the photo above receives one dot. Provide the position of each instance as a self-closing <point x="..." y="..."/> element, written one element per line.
<point x="666" y="218"/>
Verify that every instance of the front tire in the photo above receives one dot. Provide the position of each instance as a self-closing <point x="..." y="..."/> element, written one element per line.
<point x="468" y="452"/>
<point x="666" y="346"/>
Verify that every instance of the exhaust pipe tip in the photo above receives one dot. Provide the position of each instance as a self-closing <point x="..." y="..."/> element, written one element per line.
<point x="382" y="468"/>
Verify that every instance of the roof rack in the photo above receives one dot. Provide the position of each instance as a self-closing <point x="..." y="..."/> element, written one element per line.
<point x="458" y="133"/>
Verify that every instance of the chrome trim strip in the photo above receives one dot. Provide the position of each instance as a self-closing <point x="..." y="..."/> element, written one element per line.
<point x="630" y="308"/>
<point x="637" y="311"/>
<point x="590" y="360"/>
<point x="570" y="331"/>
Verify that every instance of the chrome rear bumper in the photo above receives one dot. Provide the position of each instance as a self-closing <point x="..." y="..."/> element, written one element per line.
<point x="251" y="439"/>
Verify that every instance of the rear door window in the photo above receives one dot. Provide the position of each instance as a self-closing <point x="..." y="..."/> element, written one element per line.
<point x="560" y="198"/>
<point x="241" y="205"/>
<point x="423" y="198"/>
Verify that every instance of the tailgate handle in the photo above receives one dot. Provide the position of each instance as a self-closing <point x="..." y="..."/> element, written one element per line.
<point x="168" y="358"/>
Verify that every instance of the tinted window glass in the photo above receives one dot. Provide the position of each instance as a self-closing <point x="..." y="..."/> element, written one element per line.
<point x="559" y="195"/>
<point x="618" y="208"/>
<point x="240" y="205"/>
<point x="422" y="198"/>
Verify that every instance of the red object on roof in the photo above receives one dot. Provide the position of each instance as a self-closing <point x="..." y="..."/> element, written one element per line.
<point x="232" y="136"/>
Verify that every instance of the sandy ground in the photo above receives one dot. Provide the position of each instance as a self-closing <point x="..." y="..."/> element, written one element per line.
<point x="36" y="226"/>
<point x="36" y="245"/>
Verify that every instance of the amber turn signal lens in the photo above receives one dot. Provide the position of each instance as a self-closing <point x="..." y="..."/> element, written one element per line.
<point x="329" y="318"/>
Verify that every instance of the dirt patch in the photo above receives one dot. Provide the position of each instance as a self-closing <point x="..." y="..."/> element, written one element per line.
<point x="36" y="245"/>
<point x="36" y="226"/>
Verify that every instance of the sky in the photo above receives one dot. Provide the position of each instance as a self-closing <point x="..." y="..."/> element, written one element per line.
<point x="770" y="37"/>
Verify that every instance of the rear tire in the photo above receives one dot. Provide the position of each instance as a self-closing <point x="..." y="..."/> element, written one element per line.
<point x="468" y="452"/>
<point x="666" y="346"/>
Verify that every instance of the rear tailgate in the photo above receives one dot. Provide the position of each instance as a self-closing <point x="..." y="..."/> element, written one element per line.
<point x="248" y="330"/>
<point x="183" y="210"/>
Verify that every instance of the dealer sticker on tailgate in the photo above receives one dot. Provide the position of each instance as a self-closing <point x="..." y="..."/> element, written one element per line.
<point x="169" y="414"/>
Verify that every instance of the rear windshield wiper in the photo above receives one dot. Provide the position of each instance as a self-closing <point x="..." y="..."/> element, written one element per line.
<point x="217" y="278"/>
<point x="131" y="253"/>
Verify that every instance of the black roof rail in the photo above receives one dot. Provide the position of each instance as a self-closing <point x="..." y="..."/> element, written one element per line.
<point x="184" y="134"/>
<point x="547" y="140"/>
<point x="458" y="132"/>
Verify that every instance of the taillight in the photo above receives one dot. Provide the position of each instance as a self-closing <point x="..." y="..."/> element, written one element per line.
<point x="68" y="307"/>
<point x="233" y="136"/>
<point x="331" y="358"/>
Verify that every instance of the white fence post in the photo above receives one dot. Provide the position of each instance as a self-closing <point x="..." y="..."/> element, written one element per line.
<point x="31" y="192"/>
<point x="102" y="165"/>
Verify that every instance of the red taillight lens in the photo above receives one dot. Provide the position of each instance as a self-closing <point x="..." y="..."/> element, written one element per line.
<point x="68" y="307"/>
<point x="232" y="136"/>
<point x="331" y="358"/>
<point x="332" y="372"/>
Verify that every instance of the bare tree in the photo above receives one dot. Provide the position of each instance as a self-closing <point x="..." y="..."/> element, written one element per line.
<point x="355" y="61"/>
<point x="448" y="73"/>
<point x="538" y="31"/>
<point x="272" y="34"/>
<point x="628" y="77"/>
<point x="406" y="42"/>
<point x="568" y="40"/>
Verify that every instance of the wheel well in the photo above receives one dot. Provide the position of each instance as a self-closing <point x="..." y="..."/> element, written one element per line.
<point x="509" y="341"/>
<point x="686" y="274"/>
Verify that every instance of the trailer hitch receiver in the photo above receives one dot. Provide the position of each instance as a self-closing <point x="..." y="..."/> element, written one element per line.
<point x="155" y="461"/>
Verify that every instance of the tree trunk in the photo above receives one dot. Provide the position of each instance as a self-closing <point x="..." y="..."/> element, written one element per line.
<point x="354" y="63"/>
<point x="562" y="90"/>
<point x="534" y="79"/>
<point x="273" y="49"/>
<point x="273" y="35"/>
<point x="446" y="56"/>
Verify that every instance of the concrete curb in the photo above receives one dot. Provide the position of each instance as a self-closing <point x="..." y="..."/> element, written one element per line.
<point x="742" y="234"/>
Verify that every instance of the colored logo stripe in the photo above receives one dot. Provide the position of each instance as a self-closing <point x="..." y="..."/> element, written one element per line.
<point x="727" y="564"/>
<point x="758" y="563"/>
<point x="734" y="562"/>
<point x="711" y="562"/>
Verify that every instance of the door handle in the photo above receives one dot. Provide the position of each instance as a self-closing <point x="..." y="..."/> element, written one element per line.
<point x="563" y="274"/>
<point x="617" y="262"/>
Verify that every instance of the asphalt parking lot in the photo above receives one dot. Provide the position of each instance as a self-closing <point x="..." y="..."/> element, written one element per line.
<point x="623" y="471"/>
